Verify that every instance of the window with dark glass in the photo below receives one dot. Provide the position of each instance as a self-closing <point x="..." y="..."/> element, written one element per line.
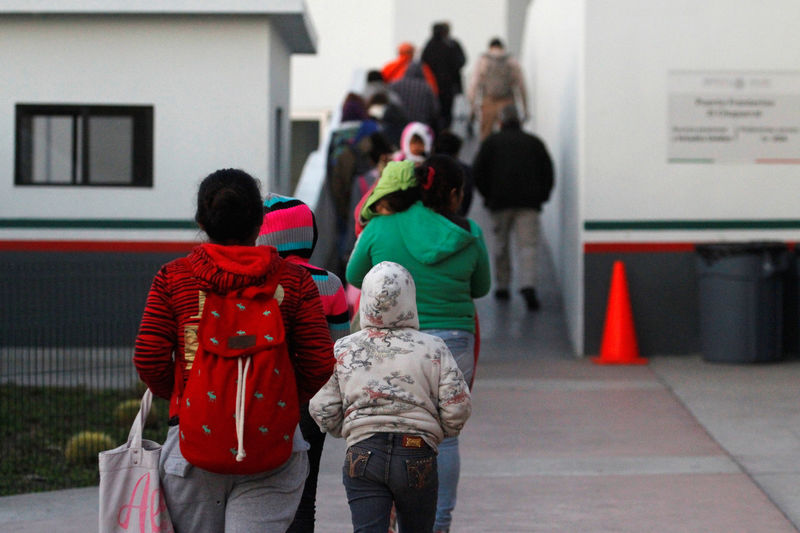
<point x="84" y="145"/>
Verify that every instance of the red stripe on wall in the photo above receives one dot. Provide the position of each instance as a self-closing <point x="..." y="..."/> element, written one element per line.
<point x="633" y="247"/>
<point x="96" y="246"/>
<point x="776" y="161"/>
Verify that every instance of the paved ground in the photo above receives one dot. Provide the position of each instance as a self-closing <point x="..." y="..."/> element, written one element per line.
<point x="557" y="444"/>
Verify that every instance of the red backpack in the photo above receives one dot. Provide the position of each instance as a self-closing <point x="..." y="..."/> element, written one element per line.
<point x="239" y="409"/>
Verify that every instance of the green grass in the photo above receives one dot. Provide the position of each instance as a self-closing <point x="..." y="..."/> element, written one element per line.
<point x="37" y="422"/>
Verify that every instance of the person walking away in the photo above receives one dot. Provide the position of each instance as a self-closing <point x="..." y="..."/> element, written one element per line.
<point x="419" y="102"/>
<point x="446" y="58"/>
<point x="347" y="159"/>
<point x="395" y="69"/>
<point x="496" y="81"/>
<point x="387" y="110"/>
<point x="171" y="345"/>
<point x="514" y="174"/>
<point x="447" y="258"/>
<point x="395" y="394"/>
<point x="380" y="154"/>
<point x="416" y="143"/>
<point x="289" y="225"/>
<point x="375" y="84"/>
<point x="448" y="143"/>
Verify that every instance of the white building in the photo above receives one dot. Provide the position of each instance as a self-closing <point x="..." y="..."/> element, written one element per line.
<point x="113" y="111"/>
<point x="671" y="124"/>
<point x="356" y="36"/>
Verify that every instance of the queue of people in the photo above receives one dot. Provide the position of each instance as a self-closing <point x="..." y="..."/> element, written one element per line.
<point x="395" y="389"/>
<point x="259" y="351"/>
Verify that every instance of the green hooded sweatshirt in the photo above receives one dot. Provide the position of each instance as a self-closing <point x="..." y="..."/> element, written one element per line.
<point x="450" y="265"/>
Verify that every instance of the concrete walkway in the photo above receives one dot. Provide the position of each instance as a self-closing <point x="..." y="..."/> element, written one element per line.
<point x="558" y="444"/>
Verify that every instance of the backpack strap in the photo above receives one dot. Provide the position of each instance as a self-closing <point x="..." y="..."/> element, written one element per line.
<point x="241" y="392"/>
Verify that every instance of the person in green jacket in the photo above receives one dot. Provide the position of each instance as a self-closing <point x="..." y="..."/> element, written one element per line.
<point x="447" y="258"/>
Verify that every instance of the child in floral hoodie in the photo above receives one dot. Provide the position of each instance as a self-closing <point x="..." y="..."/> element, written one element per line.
<point x="395" y="394"/>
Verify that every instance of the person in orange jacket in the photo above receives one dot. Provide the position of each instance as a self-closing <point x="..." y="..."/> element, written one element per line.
<point x="395" y="69"/>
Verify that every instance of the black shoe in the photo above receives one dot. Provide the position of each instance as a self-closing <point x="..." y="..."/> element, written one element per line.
<point x="502" y="294"/>
<point x="529" y="293"/>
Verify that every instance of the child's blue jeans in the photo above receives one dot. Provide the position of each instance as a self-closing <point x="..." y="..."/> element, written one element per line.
<point x="391" y="468"/>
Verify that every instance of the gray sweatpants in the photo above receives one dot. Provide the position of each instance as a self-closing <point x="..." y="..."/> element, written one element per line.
<point x="200" y="501"/>
<point x="523" y="222"/>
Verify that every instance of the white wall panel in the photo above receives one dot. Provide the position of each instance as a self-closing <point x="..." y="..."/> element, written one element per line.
<point x="631" y="48"/>
<point x="205" y="77"/>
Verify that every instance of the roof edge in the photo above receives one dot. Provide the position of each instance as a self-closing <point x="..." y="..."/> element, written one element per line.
<point x="291" y="17"/>
<point x="151" y="7"/>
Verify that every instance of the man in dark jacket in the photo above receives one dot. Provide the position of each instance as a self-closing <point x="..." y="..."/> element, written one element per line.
<point x="445" y="57"/>
<point x="514" y="174"/>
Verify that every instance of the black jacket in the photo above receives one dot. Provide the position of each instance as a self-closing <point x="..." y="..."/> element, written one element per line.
<point x="445" y="57"/>
<point x="513" y="169"/>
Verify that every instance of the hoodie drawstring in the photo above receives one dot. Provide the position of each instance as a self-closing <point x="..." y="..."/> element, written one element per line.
<point x="241" y="388"/>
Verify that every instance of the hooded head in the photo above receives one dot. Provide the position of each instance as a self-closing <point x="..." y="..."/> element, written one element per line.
<point x="353" y="108"/>
<point x="396" y="176"/>
<point x="405" y="50"/>
<point x="289" y="226"/>
<point x="441" y="30"/>
<point x="421" y="130"/>
<point x="388" y="298"/>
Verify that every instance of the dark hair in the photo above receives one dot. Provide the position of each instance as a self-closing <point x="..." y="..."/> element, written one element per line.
<point x="441" y="30"/>
<point x="447" y="143"/>
<point x="229" y="206"/>
<point x="353" y="108"/>
<point x="496" y="42"/>
<point x="399" y="201"/>
<point x="436" y="185"/>
<point x="374" y="75"/>
<point x="379" y="98"/>
<point x="378" y="146"/>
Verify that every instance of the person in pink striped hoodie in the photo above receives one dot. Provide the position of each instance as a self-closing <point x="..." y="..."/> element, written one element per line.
<point x="289" y="226"/>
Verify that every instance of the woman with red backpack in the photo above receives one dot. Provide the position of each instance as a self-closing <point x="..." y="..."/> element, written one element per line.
<point x="217" y="475"/>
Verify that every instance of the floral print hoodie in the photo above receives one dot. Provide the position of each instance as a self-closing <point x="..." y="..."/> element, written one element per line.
<point x="390" y="377"/>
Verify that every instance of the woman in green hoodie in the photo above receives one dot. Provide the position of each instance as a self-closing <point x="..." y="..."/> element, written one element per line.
<point x="447" y="258"/>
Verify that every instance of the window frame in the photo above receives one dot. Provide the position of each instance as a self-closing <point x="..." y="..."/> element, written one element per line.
<point x="142" y="149"/>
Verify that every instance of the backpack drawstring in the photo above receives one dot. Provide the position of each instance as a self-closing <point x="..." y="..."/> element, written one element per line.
<point x="241" y="388"/>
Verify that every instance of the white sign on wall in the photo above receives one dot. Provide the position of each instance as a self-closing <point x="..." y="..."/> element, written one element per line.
<point x="734" y="117"/>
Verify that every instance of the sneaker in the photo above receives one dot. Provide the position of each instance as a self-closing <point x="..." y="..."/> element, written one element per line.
<point x="502" y="294"/>
<point x="529" y="293"/>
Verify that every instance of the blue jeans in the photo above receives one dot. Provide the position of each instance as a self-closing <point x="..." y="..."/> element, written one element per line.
<point x="462" y="345"/>
<point x="389" y="468"/>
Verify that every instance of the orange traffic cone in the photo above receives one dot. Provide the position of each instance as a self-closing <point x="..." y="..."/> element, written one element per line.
<point x="619" y="338"/>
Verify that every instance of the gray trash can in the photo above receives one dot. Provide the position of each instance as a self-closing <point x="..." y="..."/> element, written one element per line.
<point x="791" y="305"/>
<point x="741" y="290"/>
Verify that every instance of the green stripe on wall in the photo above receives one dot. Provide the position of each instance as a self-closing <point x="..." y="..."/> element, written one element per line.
<point x="645" y="225"/>
<point x="100" y="223"/>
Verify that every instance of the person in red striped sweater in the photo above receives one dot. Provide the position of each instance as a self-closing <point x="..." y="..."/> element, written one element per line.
<point x="229" y="210"/>
<point x="289" y="225"/>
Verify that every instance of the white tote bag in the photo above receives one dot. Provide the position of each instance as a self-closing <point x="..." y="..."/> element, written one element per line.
<point x="130" y="489"/>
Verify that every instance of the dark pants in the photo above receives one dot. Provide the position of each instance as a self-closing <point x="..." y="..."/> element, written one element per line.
<point x="304" y="517"/>
<point x="446" y="109"/>
<point x="386" y="469"/>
